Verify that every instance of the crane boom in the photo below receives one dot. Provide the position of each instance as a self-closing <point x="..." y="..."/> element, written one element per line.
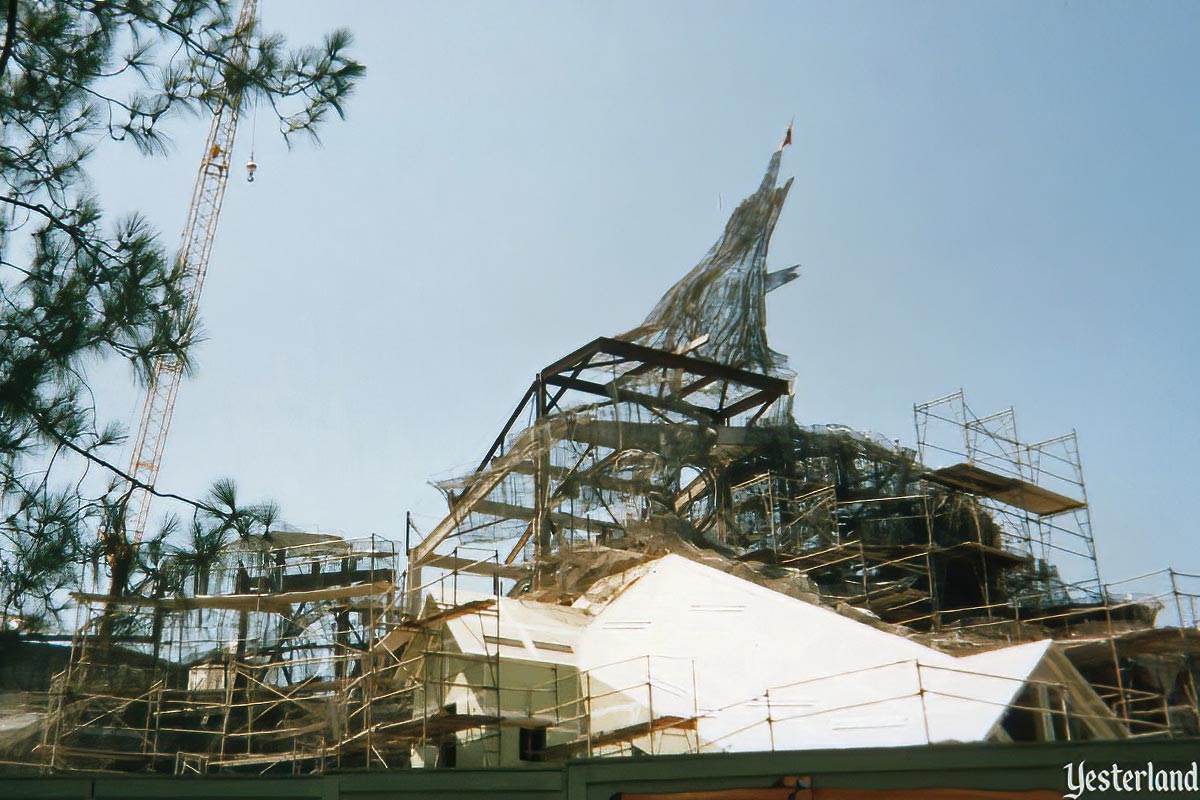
<point x="194" y="250"/>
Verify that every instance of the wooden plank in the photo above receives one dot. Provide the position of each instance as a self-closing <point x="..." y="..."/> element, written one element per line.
<point x="476" y="567"/>
<point x="1011" y="491"/>
<point x="473" y="607"/>
<point x="279" y="602"/>
<point x="987" y="552"/>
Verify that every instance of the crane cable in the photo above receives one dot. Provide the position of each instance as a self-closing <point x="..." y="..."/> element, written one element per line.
<point x="251" y="165"/>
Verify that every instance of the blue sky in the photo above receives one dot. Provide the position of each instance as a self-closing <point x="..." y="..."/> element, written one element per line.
<point x="997" y="196"/>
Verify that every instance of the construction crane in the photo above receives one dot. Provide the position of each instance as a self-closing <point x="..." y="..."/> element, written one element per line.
<point x="194" y="250"/>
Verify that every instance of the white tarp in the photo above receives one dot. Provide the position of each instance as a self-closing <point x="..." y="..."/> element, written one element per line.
<point x="760" y="670"/>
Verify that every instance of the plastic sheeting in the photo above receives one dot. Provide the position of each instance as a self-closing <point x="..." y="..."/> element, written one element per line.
<point x="724" y="297"/>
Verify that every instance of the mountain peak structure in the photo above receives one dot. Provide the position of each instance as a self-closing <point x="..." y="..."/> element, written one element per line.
<point x="718" y="310"/>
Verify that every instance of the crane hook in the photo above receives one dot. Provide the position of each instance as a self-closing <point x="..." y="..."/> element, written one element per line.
<point x="250" y="168"/>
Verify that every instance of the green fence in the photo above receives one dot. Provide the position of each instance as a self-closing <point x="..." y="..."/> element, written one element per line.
<point x="975" y="766"/>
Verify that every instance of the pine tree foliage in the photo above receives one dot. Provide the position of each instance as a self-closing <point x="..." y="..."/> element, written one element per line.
<point x="77" y="287"/>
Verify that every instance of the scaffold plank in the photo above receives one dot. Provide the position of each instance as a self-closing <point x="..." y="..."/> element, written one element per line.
<point x="473" y="607"/>
<point x="477" y="567"/>
<point x="280" y="602"/>
<point x="1012" y="491"/>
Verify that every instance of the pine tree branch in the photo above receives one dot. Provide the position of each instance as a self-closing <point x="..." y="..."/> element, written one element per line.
<point x="77" y="235"/>
<point x="134" y="483"/>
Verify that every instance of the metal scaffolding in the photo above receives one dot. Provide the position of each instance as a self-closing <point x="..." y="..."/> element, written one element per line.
<point x="264" y="662"/>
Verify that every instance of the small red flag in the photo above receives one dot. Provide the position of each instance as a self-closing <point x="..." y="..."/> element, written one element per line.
<point x="787" y="139"/>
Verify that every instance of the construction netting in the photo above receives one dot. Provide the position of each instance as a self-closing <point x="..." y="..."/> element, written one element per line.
<point x="718" y="310"/>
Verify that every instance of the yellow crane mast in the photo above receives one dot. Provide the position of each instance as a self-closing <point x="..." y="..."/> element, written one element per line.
<point x="195" y="248"/>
